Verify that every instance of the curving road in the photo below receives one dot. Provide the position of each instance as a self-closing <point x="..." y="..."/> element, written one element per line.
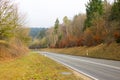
<point x="97" y="69"/>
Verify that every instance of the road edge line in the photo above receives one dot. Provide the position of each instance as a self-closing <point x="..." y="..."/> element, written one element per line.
<point x="74" y="68"/>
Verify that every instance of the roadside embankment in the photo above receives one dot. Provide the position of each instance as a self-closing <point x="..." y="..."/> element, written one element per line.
<point x="11" y="50"/>
<point x="103" y="51"/>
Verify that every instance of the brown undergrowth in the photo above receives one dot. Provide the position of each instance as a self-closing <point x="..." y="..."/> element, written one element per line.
<point x="11" y="50"/>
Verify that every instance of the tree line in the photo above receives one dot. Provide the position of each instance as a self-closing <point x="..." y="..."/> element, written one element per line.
<point x="100" y="24"/>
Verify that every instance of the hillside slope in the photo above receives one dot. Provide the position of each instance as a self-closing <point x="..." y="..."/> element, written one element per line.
<point x="34" y="32"/>
<point x="9" y="51"/>
<point x="103" y="51"/>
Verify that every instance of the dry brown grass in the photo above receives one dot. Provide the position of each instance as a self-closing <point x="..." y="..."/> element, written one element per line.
<point x="104" y="51"/>
<point x="9" y="51"/>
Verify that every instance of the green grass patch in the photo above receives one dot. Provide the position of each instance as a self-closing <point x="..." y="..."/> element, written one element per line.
<point x="34" y="66"/>
<point x="103" y="51"/>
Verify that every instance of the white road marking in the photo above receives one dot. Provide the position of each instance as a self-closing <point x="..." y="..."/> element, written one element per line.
<point x="95" y="63"/>
<point x="74" y="68"/>
<point x="83" y="60"/>
<point x="101" y="64"/>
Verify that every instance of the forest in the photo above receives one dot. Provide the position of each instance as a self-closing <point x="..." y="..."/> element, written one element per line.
<point x="100" y="24"/>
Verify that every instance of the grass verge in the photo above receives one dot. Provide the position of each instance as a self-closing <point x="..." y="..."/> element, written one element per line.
<point x="103" y="51"/>
<point x="34" y="67"/>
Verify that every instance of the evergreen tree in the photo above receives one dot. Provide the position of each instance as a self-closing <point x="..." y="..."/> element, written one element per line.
<point x="115" y="12"/>
<point x="56" y="26"/>
<point x="115" y="19"/>
<point x="94" y="7"/>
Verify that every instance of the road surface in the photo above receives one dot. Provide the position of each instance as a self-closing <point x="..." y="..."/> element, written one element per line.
<point x="97" y="69"/>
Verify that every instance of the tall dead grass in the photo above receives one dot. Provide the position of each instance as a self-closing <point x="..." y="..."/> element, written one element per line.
<point x="103" y="51"/>
<point x="10" y="50"/>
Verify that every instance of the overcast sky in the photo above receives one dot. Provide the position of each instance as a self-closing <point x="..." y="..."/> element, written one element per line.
<point x="43" y="13"/>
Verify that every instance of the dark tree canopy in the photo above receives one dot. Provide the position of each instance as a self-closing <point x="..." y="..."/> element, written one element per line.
<point x="94" y="7"/>
<point x="115" y="12"/>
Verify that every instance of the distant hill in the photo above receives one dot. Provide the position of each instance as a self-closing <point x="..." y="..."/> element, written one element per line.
<point x="34" y="32"/>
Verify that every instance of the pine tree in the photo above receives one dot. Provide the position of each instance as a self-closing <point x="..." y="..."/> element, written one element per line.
<point x="94" y="7"/>
<point x="115" y="18"/>
<point x="115" y="12"/>
<point x="56" y="26"/>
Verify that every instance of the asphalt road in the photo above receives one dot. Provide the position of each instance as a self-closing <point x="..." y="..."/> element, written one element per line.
<point x="97" y="69"/>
